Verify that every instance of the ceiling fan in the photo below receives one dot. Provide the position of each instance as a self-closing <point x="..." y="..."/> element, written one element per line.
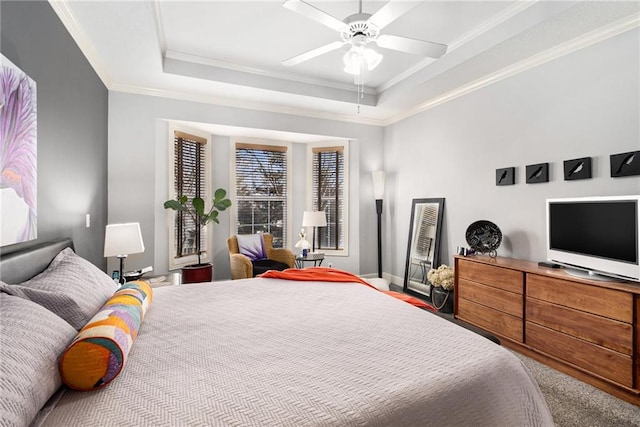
<point x="359" y="30"/>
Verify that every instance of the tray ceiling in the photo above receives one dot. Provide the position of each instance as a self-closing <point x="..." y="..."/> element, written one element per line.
<point x="231" y="52"/>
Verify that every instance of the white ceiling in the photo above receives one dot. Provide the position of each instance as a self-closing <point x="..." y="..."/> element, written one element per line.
<point x="230" y="52"/>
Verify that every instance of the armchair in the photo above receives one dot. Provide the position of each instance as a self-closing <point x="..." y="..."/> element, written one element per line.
<point x="242" y="267"/>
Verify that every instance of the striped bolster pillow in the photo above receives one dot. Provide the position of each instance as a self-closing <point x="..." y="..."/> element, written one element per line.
<point x="98" y="353"/>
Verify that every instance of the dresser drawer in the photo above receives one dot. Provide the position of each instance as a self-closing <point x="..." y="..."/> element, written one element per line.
<point x="593" y="358"/>
<point x="497" y="277"/>
<point x="637" y="340"/>
<point x="609" y="303"/>
<point x="498" y="299"/>
<point x="598" y="330"/>
<point x="491" y="320"/>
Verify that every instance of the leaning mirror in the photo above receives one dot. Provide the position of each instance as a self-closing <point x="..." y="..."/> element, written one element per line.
<point x="423" y="251"/>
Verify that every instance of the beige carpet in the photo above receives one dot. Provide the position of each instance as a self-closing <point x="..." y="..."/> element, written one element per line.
<point x="574" y="403"/>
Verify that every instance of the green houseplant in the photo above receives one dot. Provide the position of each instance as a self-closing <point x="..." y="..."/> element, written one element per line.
<point x="195" y="209"/>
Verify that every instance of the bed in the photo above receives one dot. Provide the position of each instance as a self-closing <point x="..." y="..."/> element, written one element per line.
<point x="271" y="352"/>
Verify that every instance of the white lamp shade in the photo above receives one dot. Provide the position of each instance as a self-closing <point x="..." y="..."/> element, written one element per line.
<point x="314" y="219"/>
<point x="378" y="184"/>
<point x="371" y="58"/>
<point x="123" y="239"/>
<point x="358" y="56"/>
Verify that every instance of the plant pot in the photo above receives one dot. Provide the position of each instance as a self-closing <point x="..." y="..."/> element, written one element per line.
<point x="197" y="273"/>
<point x="442" y="299"/>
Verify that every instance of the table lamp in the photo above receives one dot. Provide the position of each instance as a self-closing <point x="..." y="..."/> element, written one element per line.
<point x="314" y="219"/>
<point x="121" y="240"/>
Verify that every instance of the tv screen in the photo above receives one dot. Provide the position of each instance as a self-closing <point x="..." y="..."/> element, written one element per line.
<point x="601" y="229"/>
<point x="597" y="235"/>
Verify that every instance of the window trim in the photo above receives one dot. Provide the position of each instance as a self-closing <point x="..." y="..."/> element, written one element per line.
<point x="309" y="203"/>
<point x="176" y="263"/>
<point x="288" y="148"/>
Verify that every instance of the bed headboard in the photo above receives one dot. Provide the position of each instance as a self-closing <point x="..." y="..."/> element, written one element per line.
<point x="23" y="264"/>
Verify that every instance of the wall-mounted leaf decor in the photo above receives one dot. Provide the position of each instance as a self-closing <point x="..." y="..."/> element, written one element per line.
<point x="506" y="176"/>
<point x="577" y="169"/>
<point x="625" y="164"/>
<point x="537" y="173"/>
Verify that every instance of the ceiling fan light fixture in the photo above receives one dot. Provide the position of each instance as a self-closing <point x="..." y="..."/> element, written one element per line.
<point x="371" y="58"/>
<point x="357" y="57"/>
<point x="353" y="61"/>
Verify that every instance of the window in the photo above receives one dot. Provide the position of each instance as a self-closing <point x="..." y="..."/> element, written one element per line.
<point x="189" y="160"/>
<point x="329" y="180"/>
<point x="261" y="190"/>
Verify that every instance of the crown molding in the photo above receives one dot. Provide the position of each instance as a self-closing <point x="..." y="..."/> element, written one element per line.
<point x="216" y="63"/>
<point x="62" y="9"/>
<point x="235" y="103"/>
<point x="575" y="44"/>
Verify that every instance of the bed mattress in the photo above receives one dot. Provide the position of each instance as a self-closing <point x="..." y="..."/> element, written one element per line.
<point x="271" y="352"/>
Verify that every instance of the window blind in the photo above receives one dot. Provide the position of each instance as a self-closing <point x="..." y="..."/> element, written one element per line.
<point x="328" y="194"/>
<point x="261" y="191"/>
<point x="189" y="172"/>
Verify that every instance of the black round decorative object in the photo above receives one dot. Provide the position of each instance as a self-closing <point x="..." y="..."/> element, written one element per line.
<point x="484" y="236"/>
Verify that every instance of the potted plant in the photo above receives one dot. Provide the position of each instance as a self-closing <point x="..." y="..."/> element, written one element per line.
<point x="442" y="280"/>
<point x="195" y="208"/>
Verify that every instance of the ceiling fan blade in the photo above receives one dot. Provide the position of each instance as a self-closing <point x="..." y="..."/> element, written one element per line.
<point x="313" y="53"/>
<point x="314" y="13"/>
<point x="413" y="46"/>
<point x="390" y="12"/>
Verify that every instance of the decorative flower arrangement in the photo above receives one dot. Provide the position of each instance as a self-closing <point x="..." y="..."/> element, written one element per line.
<point x="442" y="276"/>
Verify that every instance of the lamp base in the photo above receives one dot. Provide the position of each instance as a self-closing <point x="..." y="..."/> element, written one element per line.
<point x="121" y="272"/>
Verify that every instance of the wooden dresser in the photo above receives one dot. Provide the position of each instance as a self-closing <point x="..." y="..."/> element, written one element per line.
<point x="585" y="328"/>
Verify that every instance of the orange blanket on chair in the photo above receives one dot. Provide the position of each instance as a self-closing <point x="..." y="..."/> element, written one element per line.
<point x="324" y="274"/>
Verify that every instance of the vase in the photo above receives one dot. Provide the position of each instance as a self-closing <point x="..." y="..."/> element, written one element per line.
<point x="442" y="299"/>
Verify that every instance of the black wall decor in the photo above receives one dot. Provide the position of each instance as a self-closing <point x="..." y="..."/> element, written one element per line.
<point x="625" y="164"/>
<point x="577" y="169"/>
<point x="537" y="173"/>
<point x="506" y="176"/>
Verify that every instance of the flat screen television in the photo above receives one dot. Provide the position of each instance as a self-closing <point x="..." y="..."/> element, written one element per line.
<point x="595" y="236"/>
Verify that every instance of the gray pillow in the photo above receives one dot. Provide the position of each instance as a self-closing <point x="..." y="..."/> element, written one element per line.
<point x="31" y="342"/>
<point x="70" y="287"/>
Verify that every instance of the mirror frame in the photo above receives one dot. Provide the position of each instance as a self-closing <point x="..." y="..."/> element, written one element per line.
<point x="435" y="258"/>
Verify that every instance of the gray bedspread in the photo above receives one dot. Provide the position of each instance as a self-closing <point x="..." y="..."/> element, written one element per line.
<point x="267" y="352"/>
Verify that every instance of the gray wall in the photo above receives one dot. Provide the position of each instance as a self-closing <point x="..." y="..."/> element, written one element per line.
<point x="583" y="104"/>
<point x="138" y="181"/>
<point x="72" y="126"/>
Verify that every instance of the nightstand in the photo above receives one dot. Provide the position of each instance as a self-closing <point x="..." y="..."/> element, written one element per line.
<point x="316" y="259"/>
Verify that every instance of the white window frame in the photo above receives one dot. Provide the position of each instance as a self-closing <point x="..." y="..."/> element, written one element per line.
<point x="232" y="179"/>
<point x="345" y="146"/>
<point x="176" y="263"/>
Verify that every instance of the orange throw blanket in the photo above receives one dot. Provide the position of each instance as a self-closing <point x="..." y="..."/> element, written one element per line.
<point x="324" y="274"/>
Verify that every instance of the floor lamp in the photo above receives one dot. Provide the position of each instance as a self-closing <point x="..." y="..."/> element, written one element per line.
<point x="121" y="240"/>
<point x="378" y="192"/>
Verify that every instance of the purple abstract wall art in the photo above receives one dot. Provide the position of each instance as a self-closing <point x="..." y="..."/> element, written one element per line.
<point x="18" y="155"/>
